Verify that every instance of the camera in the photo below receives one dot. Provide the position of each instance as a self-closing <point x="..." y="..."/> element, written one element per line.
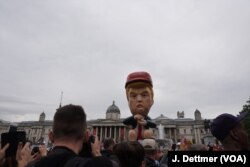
<point x="91" y="139"/>
<point x="35" y="150"/>
<point x="13" y="137"/>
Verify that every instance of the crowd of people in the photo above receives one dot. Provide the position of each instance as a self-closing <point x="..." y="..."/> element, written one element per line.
<point x="69" y="139"/>
<point x="73" y="146"/>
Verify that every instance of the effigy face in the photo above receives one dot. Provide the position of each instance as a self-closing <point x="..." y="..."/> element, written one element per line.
<point x="140" y="100"/>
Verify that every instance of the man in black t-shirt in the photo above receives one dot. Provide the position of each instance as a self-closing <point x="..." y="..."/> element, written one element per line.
<point x="69" y="127"/>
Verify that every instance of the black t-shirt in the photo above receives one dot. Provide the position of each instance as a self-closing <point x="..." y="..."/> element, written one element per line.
<point x="62" y="156"/>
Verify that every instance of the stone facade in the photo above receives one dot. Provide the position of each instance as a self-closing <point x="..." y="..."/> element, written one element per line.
<point x="112" y="126"/>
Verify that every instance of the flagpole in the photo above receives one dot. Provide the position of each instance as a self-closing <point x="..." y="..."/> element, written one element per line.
<point x="60" y="105"/>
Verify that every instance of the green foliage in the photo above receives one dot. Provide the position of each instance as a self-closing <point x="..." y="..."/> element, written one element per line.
<point x="246" y="122"/>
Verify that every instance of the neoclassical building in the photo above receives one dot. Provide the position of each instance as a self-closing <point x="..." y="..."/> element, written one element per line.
<point x="176" y="129"/>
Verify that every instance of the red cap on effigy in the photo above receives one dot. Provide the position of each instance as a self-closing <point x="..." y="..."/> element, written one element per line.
<point x="141" y="76"/>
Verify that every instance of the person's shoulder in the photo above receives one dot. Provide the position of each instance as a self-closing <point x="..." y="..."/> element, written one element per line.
<point x="65" y="159"/>
<point x="79" y="162"/>
<point x="149" y="162"/>
<point x="31" y="164"/>
<point x="164" y="160"/>
<point x="130" y="118"/>
<point x="101" y="161"/>
<point x="129" y="121"/>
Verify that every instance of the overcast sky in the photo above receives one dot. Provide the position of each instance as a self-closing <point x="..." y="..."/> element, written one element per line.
<point x="197" y="52"/>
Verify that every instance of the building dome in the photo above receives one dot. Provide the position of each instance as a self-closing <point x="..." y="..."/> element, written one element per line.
<point x="113" y="109"/>
<point x="113" y="112"/>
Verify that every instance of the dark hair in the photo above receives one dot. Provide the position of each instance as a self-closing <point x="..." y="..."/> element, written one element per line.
<point x="108" y="142"/>
<point x="224" y="123"/>
<point x="69" y="122"/>
<point x="130" y="154"/>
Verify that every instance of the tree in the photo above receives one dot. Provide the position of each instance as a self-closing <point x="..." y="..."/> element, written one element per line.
<point x="246" y="122"/>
